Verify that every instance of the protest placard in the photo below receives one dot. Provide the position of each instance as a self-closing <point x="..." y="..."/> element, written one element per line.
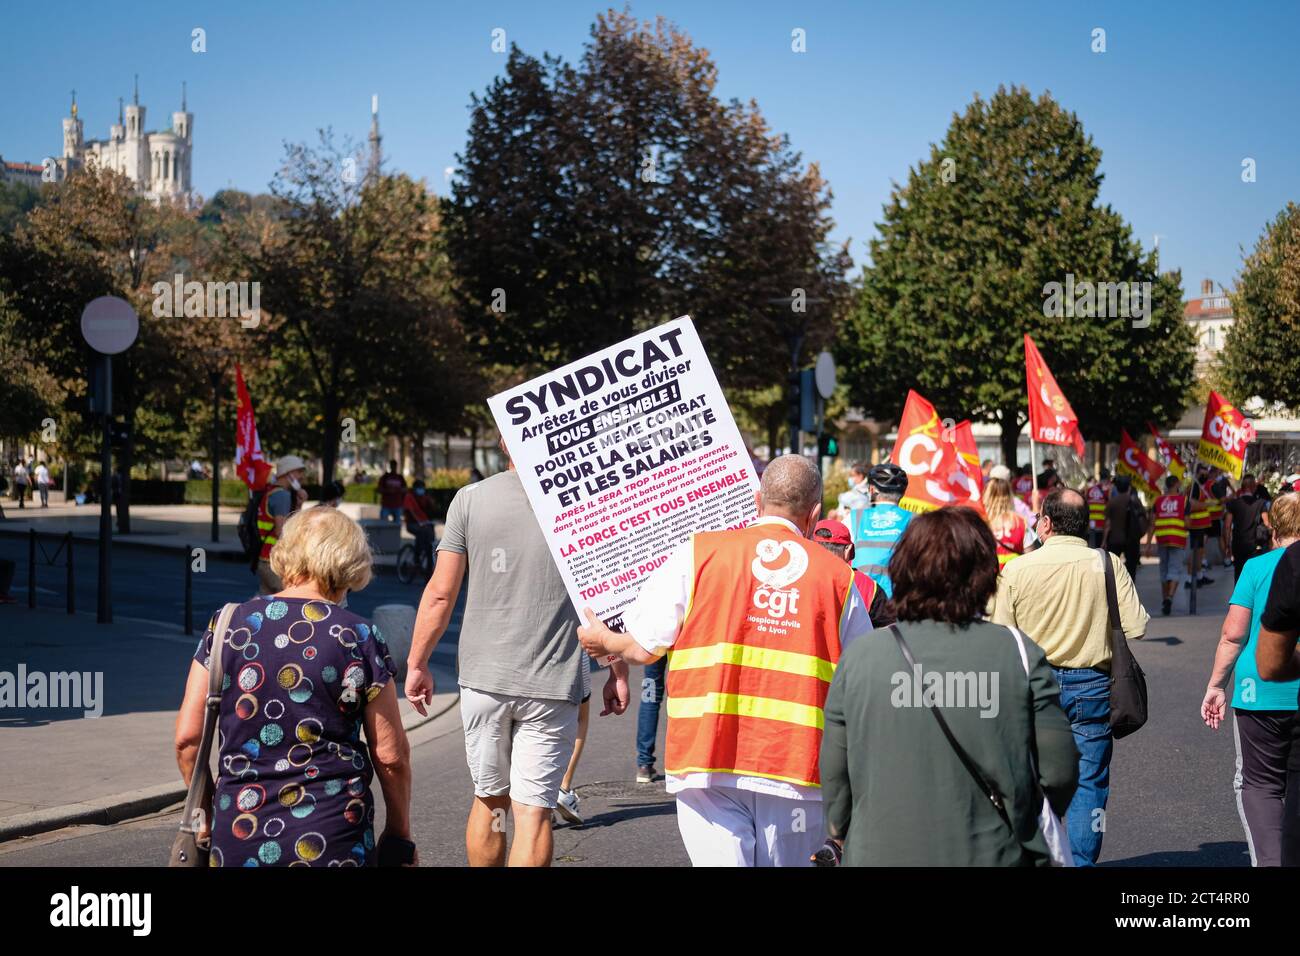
<point x="623" y="454"/>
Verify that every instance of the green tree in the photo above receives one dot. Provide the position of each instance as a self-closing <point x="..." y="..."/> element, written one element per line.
<point x="354" y="282"/>
<point x="604" y="198"/>
<point x="1004" y="206"/>
<point x="95" y="235"/>
<point x="1262" y="354"/>
<point x="16" y="201"/>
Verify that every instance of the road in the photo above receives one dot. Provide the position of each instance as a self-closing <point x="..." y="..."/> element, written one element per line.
<point x="150" y="584"/>
<point x="1171" y="799"/>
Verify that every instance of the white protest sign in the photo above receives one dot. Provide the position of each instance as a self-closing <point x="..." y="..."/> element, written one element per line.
<point x="623" y="455"/>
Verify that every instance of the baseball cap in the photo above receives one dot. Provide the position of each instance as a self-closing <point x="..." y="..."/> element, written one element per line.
<point x="1292" y="482"/>
<point x="1000" y="471"/>
<point x="288" y="463"/>
<point x="832" y="532"/>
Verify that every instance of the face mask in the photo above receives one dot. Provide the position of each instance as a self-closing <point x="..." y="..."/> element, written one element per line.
<point x="293" y="483"/>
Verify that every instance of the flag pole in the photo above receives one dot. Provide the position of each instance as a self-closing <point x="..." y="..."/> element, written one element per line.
<point x="1033" y="467"/>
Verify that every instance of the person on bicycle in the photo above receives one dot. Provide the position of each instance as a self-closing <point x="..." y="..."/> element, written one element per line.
<point x="417" y="511"/>
<point x="877" y="528"/>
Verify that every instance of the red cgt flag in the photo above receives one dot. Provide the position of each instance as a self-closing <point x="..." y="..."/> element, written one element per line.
<point x="941" y="460"/>
<point x="1224" y="436"/>
<point x="1168" y="454"/>
<point x="250" y="465"/>
<point x="1135" y="463"/>
<point x="1051" y="419"/>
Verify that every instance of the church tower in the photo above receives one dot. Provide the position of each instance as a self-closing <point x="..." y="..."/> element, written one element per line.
<point x="182" y="127"/>
<point x="73" y="138"/>
<point x="135" y="157"/>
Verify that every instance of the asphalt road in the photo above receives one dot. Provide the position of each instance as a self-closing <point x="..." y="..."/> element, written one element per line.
<point x="1171" y="799"/>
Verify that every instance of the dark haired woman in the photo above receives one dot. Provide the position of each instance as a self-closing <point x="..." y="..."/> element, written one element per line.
<point x="894" y="790"/>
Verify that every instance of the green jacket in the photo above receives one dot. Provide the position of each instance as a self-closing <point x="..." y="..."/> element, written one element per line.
<point x="892" y="785"/>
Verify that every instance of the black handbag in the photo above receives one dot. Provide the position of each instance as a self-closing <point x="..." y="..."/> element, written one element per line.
<point x="1128" y="685"/>
<point x="192" y="845"/>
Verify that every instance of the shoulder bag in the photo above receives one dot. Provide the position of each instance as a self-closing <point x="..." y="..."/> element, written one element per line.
<point x="190" y="848"/>
<point x="1058" y="842"/>
<point x="1128" y="685"/>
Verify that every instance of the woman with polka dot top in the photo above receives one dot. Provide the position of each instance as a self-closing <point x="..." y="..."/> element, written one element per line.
<point x="303" y="678"/>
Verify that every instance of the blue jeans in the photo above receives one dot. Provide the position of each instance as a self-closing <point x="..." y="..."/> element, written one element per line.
<point x="1085" y="698"/>
<point x="647" y="715"/>
<point x="390" y="514"/>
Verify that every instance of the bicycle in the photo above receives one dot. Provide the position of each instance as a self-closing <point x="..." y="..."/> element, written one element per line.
<point x="408" y="564"/>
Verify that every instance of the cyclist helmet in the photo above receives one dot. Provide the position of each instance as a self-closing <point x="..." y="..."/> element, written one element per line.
<point x="888" y="478"/>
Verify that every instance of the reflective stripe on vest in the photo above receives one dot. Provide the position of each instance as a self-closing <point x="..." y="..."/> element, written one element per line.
<point x="1199" y="517"/>
<point x="748" y="675"/>
<point x="1171" y="520"/>
<point x="1096" y="507"/>
<point x="266" y="526"/>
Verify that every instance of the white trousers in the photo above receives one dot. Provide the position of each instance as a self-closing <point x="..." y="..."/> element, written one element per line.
<point x="722" y="826"/>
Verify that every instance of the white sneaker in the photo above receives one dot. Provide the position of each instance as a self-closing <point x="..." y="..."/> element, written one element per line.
<point x="567" y="807"/>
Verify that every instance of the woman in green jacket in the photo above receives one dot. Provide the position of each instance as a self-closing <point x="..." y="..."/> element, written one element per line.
<point x="895" y="791"/>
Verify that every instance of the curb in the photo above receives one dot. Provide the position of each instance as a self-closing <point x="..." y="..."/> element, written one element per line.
<point x="119" y="807"/>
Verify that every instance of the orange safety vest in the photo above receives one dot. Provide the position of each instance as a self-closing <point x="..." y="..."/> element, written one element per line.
<point x="1215" y="506"/>
<point x="1096" y="496"/>
<point x="1199" y="517"/>
<point x="1171" y="521"/>
<point x="266" y="523"/>
<point x="749" y="672"/>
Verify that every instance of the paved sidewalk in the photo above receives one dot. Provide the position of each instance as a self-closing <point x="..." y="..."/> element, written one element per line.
<point x="162" y="527"/>
<point x="62" y="767"/>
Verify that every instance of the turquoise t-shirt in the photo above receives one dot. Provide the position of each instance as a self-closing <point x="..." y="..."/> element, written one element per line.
<point x="1250" y="691"/>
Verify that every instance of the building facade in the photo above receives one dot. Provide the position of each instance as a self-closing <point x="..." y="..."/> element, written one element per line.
<point x="1210" y="316"/>
<point x="159" y="163"/>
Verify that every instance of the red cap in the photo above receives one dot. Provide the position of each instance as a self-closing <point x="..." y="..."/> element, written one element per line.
<point x="832" y="532"/>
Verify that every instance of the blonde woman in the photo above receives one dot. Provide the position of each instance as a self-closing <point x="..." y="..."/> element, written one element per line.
<point x="1007" y="526"/>
<point x="304" y="678"/>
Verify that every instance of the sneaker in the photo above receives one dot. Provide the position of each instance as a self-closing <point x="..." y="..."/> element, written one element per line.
<point x="1204" y="581"/>
<point x="645" y="774"/>
<point x="567" y="807"/>
<point x="1166" y="606"/>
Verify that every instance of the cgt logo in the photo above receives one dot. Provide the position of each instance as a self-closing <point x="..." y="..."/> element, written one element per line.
<point x="774" y="595"/>
<point x="1232" y="438"/>
<point x="1169" y="507"/>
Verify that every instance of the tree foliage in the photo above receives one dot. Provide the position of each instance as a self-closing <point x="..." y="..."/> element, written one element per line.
<point x="1004" y="205"/>
<point x="354" y="278"/>
<point x="600" y="199"/>
<point x="1262" y="354"/>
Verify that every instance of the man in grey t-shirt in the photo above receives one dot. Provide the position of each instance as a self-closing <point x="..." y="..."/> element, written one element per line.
<point x="520" y="666"/>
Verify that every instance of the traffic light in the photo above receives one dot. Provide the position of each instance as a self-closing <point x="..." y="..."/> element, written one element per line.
<point x="830" y="447"/>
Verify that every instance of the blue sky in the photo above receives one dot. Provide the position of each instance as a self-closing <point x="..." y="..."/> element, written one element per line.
<point x="1184" y="91"/>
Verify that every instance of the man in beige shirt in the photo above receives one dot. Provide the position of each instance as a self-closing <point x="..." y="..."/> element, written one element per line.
<point x="1057" y="596"/>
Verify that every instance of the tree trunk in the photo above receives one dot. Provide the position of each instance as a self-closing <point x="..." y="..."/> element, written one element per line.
<point x="417" y="455"/>
<point x="330" y="449"/>
<point x="1010" y="438"/>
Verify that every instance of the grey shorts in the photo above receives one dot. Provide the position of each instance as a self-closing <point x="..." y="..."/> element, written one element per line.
<point x="1173" y="563"/>
<point x="518" y="746"/>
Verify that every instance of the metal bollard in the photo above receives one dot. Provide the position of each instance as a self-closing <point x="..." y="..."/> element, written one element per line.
<point x="189" y="591"/>
<point x="1191" y="601"/>
<point x="72" y="591"/>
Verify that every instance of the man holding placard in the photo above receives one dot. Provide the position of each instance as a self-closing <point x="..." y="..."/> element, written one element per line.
<point x="754" y="621"/>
